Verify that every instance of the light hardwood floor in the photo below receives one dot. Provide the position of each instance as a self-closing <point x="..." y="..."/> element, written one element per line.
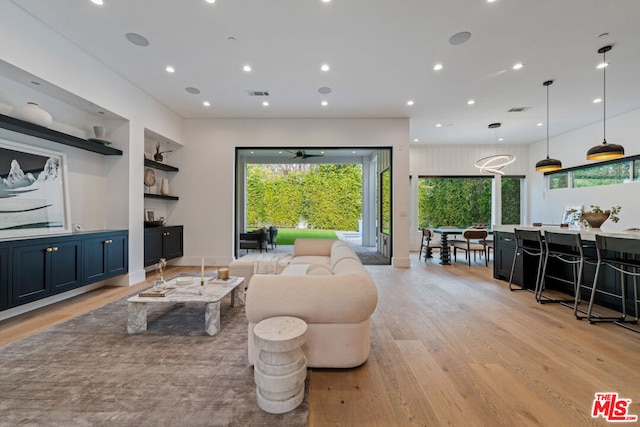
<point x="450" y="346"/>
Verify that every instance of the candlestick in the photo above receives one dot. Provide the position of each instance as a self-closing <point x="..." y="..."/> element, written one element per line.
<point x="202" y="271"/>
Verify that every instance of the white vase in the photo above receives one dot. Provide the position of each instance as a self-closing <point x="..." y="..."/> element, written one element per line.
<point x="164" y="188"/>
<point x="33" y="114"/>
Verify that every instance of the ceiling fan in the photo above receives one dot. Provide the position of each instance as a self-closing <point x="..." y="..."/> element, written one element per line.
<point x="301" y="154"/>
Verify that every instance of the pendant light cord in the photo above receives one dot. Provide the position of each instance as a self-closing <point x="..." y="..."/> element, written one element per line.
<point x="604" y="97"/>
<point x="547" y="121"/>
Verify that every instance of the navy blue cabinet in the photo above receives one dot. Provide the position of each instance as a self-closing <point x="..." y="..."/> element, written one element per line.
<point x="105" y="255"/>
<point x="4" y="278"/>
<point x="162" y="242"/>
<point x="44" y="269"/>
<point x="35" y="268"/>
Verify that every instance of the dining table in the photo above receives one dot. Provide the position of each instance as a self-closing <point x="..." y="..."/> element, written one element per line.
<point x="445" y="232"/>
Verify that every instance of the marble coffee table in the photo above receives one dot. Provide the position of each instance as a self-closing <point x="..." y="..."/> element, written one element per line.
<point x="214" y="290"/>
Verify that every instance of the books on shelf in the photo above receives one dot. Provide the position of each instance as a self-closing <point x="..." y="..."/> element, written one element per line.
<point x="159" y="293"/>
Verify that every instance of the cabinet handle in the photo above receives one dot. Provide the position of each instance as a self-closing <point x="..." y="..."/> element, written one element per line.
<point x="49" y="249"/>
<point x="506" y="239"/>
<point x="167" y="234"/>
<point x="55" y="249"/>
<point x="106" y="242"/>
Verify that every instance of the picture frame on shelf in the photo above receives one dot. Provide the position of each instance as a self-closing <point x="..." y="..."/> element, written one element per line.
<point x="571" y="215"/>
<point x="150" y="215"/>
<point x="34" y="192"/>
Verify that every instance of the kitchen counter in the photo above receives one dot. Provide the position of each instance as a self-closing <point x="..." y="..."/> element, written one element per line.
<point x="585" y="233"/>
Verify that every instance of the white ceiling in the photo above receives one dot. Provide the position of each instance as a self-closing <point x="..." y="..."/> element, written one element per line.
<point x="381" y="55"/>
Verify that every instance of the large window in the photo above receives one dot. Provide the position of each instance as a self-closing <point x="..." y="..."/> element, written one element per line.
<point x="461" y="201"/>
<point x="453" y="201"/>
<point x="616" y="171"/>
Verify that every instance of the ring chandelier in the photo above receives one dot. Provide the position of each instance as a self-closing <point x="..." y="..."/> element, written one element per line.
<point x="492" y="165"/>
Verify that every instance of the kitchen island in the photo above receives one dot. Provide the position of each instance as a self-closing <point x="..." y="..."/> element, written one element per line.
<point x="560" y="275"/>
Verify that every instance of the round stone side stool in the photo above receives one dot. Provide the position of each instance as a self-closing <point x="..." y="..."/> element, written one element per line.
<point x="281" y="367"/>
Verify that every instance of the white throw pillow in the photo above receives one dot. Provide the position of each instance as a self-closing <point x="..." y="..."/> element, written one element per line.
<point x="319" y="269"/>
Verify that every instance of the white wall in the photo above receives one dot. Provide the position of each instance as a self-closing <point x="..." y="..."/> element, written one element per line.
<point x="206" y="186"/>
<point x="571" y="148"/>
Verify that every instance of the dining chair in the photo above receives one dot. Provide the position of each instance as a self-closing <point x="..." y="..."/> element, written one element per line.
<point x="429" y="242"/>
<point x="475" y="240"/>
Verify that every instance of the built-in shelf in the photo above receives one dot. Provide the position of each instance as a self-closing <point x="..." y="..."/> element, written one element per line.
<point x="160" y="196"/>
<point x="160" y="166"/>
<point x="38" y="131"/>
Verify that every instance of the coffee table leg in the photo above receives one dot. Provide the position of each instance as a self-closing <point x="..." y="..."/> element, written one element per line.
<point x="237" y="295"/>
<point x="136" y="317"/>
<point x="212" y="318"/>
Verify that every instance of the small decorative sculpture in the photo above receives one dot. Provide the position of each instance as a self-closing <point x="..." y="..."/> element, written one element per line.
<point x="158" y="156"/>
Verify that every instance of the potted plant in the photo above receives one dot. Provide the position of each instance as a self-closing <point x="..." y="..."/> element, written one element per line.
<point x="595" y="216"/>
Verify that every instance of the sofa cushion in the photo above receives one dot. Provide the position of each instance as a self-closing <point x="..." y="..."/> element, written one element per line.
<point x="340" y="252"/>
<point x="320" y="269"/>
<point x="311" y="259"/>
<point x="295" y="270"/>
<point x="348" y="265"/>
<point x="303" y="247"/>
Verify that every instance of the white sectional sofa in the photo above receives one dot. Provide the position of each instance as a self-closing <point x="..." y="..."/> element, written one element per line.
<point x="326" y="285"/>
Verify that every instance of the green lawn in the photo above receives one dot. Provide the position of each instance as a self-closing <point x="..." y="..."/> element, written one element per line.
<point x="286" y="236"/>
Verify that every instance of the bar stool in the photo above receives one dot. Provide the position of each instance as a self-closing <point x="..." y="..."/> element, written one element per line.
<point x="528" y="242"/>
<point x="568" y="248"/>
<point x="611" y="251"/>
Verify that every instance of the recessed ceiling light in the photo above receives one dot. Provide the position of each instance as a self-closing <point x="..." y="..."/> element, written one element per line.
<point x="500" y="139"/>
<point x="439" y="125"/>
<point x="206" y="103"/>
<point x="437" y="67"/>
<point x="192" y="90"/>
<point x="170" y="69"/>
<point x="416" y="140"/>
<point x="325" y="90"/>
<point x="353" y="152"/>
<point x="251" y="152"/>
<point x="326" y="1"/>
<point x="597" y="100"/>
<point x="247" y="68"/>
<point x="322" y="152"/>
<point x="490" y="1"/>
<point x="602" y="65"/>
<point x="98" y="2"/>
<point x="325" y="67"/>
<point x="459" y="38"/>
<point x="324" y="103"/>
<point x="471" y="102"/>
<point x="265" y="103"/>
<point x="539" y="124"/>
<point x="518" y="66"/>
<point x="137" y="39"/>
<point x="210" y="1"/>
<point x="410" y="102"/>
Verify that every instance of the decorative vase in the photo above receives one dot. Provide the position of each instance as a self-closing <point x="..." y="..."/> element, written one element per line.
<point x="33" y="114"/>
<point x="164" y="188"/>
<point x="595" y="219"/>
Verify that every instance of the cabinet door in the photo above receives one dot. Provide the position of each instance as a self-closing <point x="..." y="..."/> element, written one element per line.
<point x="173" y="242"/>
<point x="29" y="273"/>
<point x="153" y="245"/>
<point x="4" y="278"/>
<point x="117" y="255"/>
<point x="66" y="265"/>
<point x="94" y="259"/>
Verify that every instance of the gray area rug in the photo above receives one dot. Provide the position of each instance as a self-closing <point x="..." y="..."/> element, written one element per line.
<point x="88" y="371"/>
<point x="370" y="257"/>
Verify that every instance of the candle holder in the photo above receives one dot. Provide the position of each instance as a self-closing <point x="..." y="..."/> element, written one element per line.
<point x="223" y="273"/>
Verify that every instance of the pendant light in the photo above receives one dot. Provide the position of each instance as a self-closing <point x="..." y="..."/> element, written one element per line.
<point x="492" y="165"/>
<point x="548" y="165"/>
<point x="605" y="151"/>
